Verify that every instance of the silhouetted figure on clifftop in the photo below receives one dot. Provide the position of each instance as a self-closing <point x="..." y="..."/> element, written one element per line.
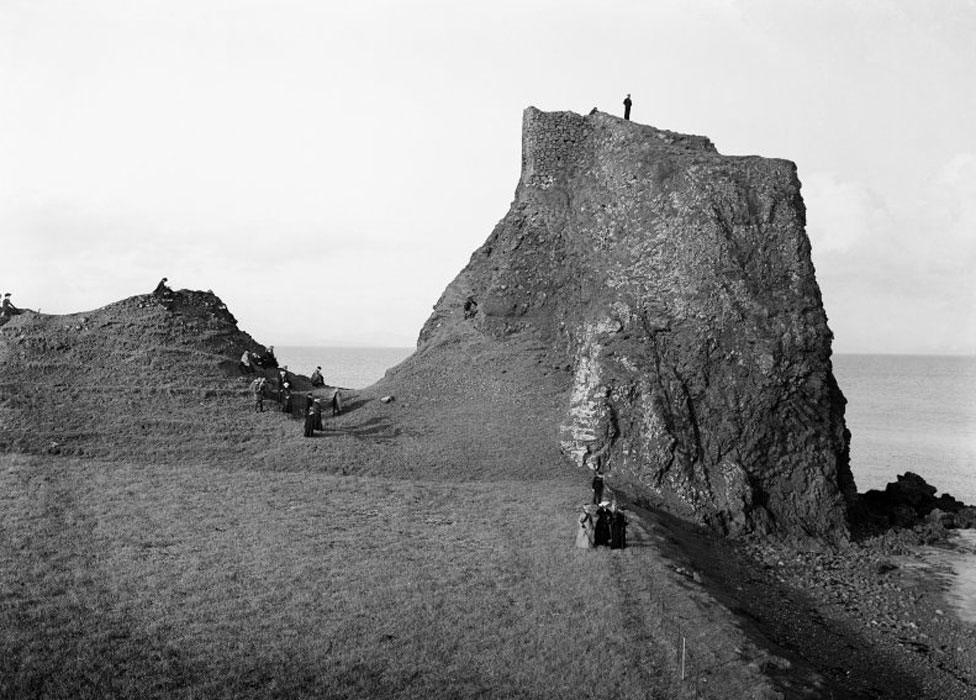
<point x="161" y="289"/>
<point x="627" y="104"/>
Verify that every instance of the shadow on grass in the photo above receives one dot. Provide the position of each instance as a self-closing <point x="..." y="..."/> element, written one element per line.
<point x="372" y="429"/>
<point x="781" y="618"/>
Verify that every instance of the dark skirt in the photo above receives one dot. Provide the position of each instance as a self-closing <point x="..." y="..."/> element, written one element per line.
<point x="601" y="532"/>
<point x="618" y="531"/>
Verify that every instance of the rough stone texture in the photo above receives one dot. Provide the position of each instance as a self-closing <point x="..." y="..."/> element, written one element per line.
<point x="675" y="285"/>
<point x="910" y="500"/>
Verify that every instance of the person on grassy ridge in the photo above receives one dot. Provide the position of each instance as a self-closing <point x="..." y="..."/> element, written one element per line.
<point x="317" y="407"/>
<point x="282" y="382"/>
<point x="317" y="380"/>
<point x="8" y="310"/>
<point x="268" y="359"/>
<point x="584" y="533"/>
<point x="309" y="421"/>
<point x="161" y="289"/>
<point x="257" y="388"/>
<point x="601" y="530"/>
<point x="618" y="527"/>
<point x="627" y="104"/>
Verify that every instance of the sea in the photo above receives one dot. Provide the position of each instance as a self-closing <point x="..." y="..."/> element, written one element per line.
<point x="905" y="412"/>
<point x="350" y="368"/>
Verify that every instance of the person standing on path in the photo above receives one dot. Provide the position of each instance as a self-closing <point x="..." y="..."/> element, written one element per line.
<point x="310" y="421"/>
<point x="627" y="104"/>
<point x="257" y="388"/>
<point x="317" y="409"/>
<point x="597" y="487"/>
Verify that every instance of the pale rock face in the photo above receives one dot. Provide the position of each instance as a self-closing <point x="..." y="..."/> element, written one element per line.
<point x="675" y="285"/>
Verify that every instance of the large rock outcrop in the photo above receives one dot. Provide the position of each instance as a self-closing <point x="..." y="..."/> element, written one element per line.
<point x="673" y="286"/>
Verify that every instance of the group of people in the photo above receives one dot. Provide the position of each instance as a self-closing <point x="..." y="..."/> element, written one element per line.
<point x="252" y="360"/>
<point x="601" y="523"/>
<point x="311" y="405"/>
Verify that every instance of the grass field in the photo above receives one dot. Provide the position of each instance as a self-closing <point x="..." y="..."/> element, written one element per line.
<point x="194" y="581"/>
<point x="158" y="538"/>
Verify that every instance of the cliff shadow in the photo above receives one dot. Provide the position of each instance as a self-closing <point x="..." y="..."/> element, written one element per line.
<point x="783" y="619"/>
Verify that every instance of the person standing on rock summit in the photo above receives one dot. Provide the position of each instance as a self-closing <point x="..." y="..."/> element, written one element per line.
<point x="627" y="104"/>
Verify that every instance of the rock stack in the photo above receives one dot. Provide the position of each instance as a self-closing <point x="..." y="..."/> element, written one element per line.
<point x="674" y="287"/>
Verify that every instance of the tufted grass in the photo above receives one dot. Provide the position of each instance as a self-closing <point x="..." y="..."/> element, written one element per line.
<point x="192" y="581"/>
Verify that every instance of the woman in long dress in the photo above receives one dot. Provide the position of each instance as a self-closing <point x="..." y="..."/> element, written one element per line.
<point x="618" y="527"/>
<point x="584" y="530"/>
<point x="601" y="531"/>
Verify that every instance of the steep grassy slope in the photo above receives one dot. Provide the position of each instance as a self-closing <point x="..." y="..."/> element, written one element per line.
<point x="134" y="379"/>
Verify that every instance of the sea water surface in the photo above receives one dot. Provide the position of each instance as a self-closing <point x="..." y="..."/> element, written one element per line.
<point x="350" y="368"/>
<point x="911" y="413"/>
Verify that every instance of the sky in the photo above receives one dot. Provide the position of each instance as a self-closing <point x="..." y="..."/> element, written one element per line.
<point x="327" y="168"/>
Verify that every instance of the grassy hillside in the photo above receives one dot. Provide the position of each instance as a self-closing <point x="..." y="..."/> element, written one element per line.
<point x="159" y="538"/>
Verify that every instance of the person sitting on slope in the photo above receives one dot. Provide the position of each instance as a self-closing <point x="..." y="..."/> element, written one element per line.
<point x="317" y="379"/>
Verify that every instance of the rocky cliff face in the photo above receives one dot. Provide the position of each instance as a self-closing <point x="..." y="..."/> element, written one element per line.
<point x="674" y="287"/>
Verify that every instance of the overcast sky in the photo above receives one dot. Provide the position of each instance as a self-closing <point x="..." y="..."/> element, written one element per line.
<point x="327" y="168"/>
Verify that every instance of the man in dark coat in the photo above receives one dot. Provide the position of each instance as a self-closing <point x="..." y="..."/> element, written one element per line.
<point x="627" y="104"/>
<point x="597" y="487"/>
<point x="286" y="398"/>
